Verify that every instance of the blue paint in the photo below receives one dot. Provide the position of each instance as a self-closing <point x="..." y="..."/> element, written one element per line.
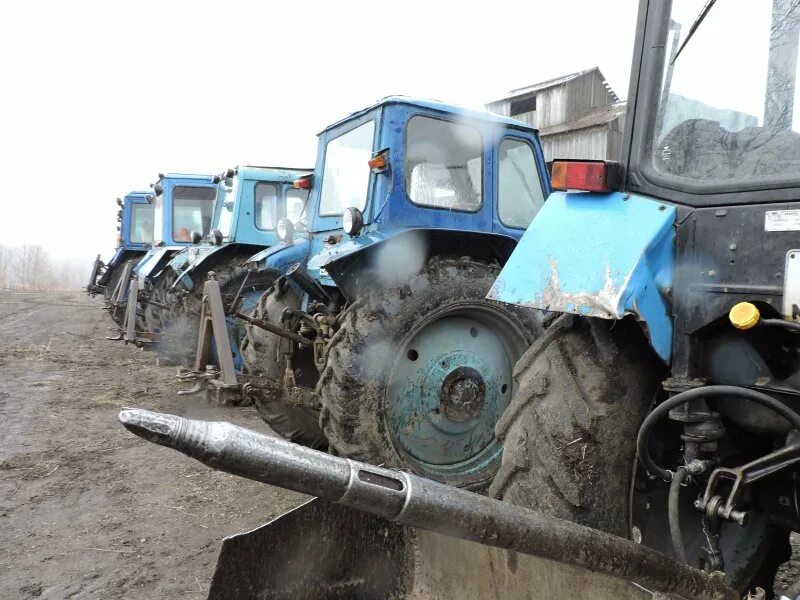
<point x="388" y="211"/>
<point x="193" y="263"/>
<point x="164" y="203"/>
<point x="598" y="255"/>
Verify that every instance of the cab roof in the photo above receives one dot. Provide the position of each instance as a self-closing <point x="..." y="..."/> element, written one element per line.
<point x="277" y="174"/>
<point x="187" y="176"/>
<point x="478" y="115"/>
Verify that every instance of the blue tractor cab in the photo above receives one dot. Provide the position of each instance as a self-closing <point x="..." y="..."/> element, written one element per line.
<point x="256" y="198"/>
<point x="663" y="401"/>
<point x="183" y="205"/>
<point x="376" y="337"/>
<point x="134" y="236"/>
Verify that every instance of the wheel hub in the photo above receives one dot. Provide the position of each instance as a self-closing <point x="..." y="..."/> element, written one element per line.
<point x="463" y="394"/>
<point x="449" y="386"/>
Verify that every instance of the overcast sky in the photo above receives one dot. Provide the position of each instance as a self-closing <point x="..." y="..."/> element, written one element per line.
<point x="99" y="97"/>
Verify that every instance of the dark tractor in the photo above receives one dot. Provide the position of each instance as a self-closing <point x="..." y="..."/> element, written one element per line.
<point x="674" y="280"/>
<point x="256" y="198"/>
<point x="134" y="237"/>
<point x="377" y="339"/>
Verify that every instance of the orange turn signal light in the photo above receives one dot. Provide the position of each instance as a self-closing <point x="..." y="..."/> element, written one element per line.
<point x="304" y="183"/>
<point x="379" y="161"/>
<point x="586" y="175"/>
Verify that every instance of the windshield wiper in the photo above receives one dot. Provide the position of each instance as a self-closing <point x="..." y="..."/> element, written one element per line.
<point x="693" y="28"/>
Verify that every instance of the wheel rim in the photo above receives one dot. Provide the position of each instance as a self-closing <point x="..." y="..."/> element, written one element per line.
<point x="450" y="383"/>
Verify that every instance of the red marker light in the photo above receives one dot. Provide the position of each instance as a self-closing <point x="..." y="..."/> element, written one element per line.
<point x="586" y="176"/>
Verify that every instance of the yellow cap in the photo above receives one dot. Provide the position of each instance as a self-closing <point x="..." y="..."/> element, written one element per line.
<point x="744" y="315"/>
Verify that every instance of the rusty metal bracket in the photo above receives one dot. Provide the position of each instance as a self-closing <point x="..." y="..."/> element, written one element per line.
<point x="131" y="335"/>
<point x="213" y="329"/>
<point x="118" y="296"/>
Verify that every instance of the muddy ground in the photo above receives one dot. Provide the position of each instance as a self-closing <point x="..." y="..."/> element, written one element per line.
<point x="87" y="510"/>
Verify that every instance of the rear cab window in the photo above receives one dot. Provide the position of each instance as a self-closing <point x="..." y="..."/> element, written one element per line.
<point x="266" y="195"/>
<point x="142" y="224"/>
<point x="444" y="164"/>
<point x="192" y="210"/>
<point x="295" y="203"/>
<point x="519" y="187"/>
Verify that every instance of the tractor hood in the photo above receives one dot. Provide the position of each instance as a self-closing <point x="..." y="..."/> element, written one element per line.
<point x="597" y="255"/>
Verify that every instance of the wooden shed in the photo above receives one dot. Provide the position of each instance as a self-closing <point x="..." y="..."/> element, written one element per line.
<point x="577" y="115"/>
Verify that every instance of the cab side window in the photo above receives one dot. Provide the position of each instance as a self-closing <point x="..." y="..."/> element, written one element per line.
<point x="519" y="189"/>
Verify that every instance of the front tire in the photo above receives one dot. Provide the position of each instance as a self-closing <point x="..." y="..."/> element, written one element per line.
<point x="418" y="374"/>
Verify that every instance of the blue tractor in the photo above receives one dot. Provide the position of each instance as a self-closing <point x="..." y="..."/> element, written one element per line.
<point x="256" y="198"/>
<point x="376" y="339"/>
<point x="181" y="204"/>
<point x="663" y="401"/>
<point x="134" y="237"/>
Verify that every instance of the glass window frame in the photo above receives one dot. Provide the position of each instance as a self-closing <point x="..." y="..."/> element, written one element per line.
<point x="137" y="207"/>
<point x="407" y="174"/>
<point x="214" y="200"/>
<point x="355" y="126"/>
<point x="497" y="184"/>
<point x="647" y="74"/>
<point x="278" y="194"/>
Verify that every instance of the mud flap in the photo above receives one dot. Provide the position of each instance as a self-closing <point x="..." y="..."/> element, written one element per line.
<point x="325" y="551"/>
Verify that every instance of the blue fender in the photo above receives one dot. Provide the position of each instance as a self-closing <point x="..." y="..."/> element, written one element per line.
<point x="598" y="255"/>
<point x="353" y="245"/>
<point x="154" y="261"/>
<point x="282" y="256"/>
<point x="186" y="261"/>
<point x="119" y="257"/>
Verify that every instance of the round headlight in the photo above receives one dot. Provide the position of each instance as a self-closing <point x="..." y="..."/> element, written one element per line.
<point x="285" y="230"/>
<point x="352" y="221"/>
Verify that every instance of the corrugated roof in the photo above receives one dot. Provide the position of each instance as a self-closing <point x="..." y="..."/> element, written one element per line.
<point x="543" y="85"/>
<point x="594" y="118"/>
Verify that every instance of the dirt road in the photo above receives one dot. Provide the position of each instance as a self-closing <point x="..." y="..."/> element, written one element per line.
<point x="86" y="509"/>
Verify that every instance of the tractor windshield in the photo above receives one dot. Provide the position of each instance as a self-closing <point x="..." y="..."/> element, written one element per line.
<point x="142" y="225"/>
<point x="345" y="176"/>
<point x="226" y="212"/>
<point x="727" y="109"/>
<point x="192" y="210"/>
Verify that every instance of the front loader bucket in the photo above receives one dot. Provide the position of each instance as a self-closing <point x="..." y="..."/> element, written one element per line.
<point x="325" y="551"/>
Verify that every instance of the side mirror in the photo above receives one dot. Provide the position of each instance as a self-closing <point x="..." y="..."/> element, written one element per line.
<point x="216" y="234"/>
<point x="119" y="201"/>
<point x="158" y="189"/>
<point x="196" y="237"/>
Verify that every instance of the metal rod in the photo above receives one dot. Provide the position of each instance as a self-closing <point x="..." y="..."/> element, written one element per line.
<point x="276" y="329"/>
<point x="417" y="502"/>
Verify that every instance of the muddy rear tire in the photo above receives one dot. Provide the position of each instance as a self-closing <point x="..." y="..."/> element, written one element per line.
<point x="569" y="436"/>
<point x="262" y="353"/>
<point x="418" y="374"/>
